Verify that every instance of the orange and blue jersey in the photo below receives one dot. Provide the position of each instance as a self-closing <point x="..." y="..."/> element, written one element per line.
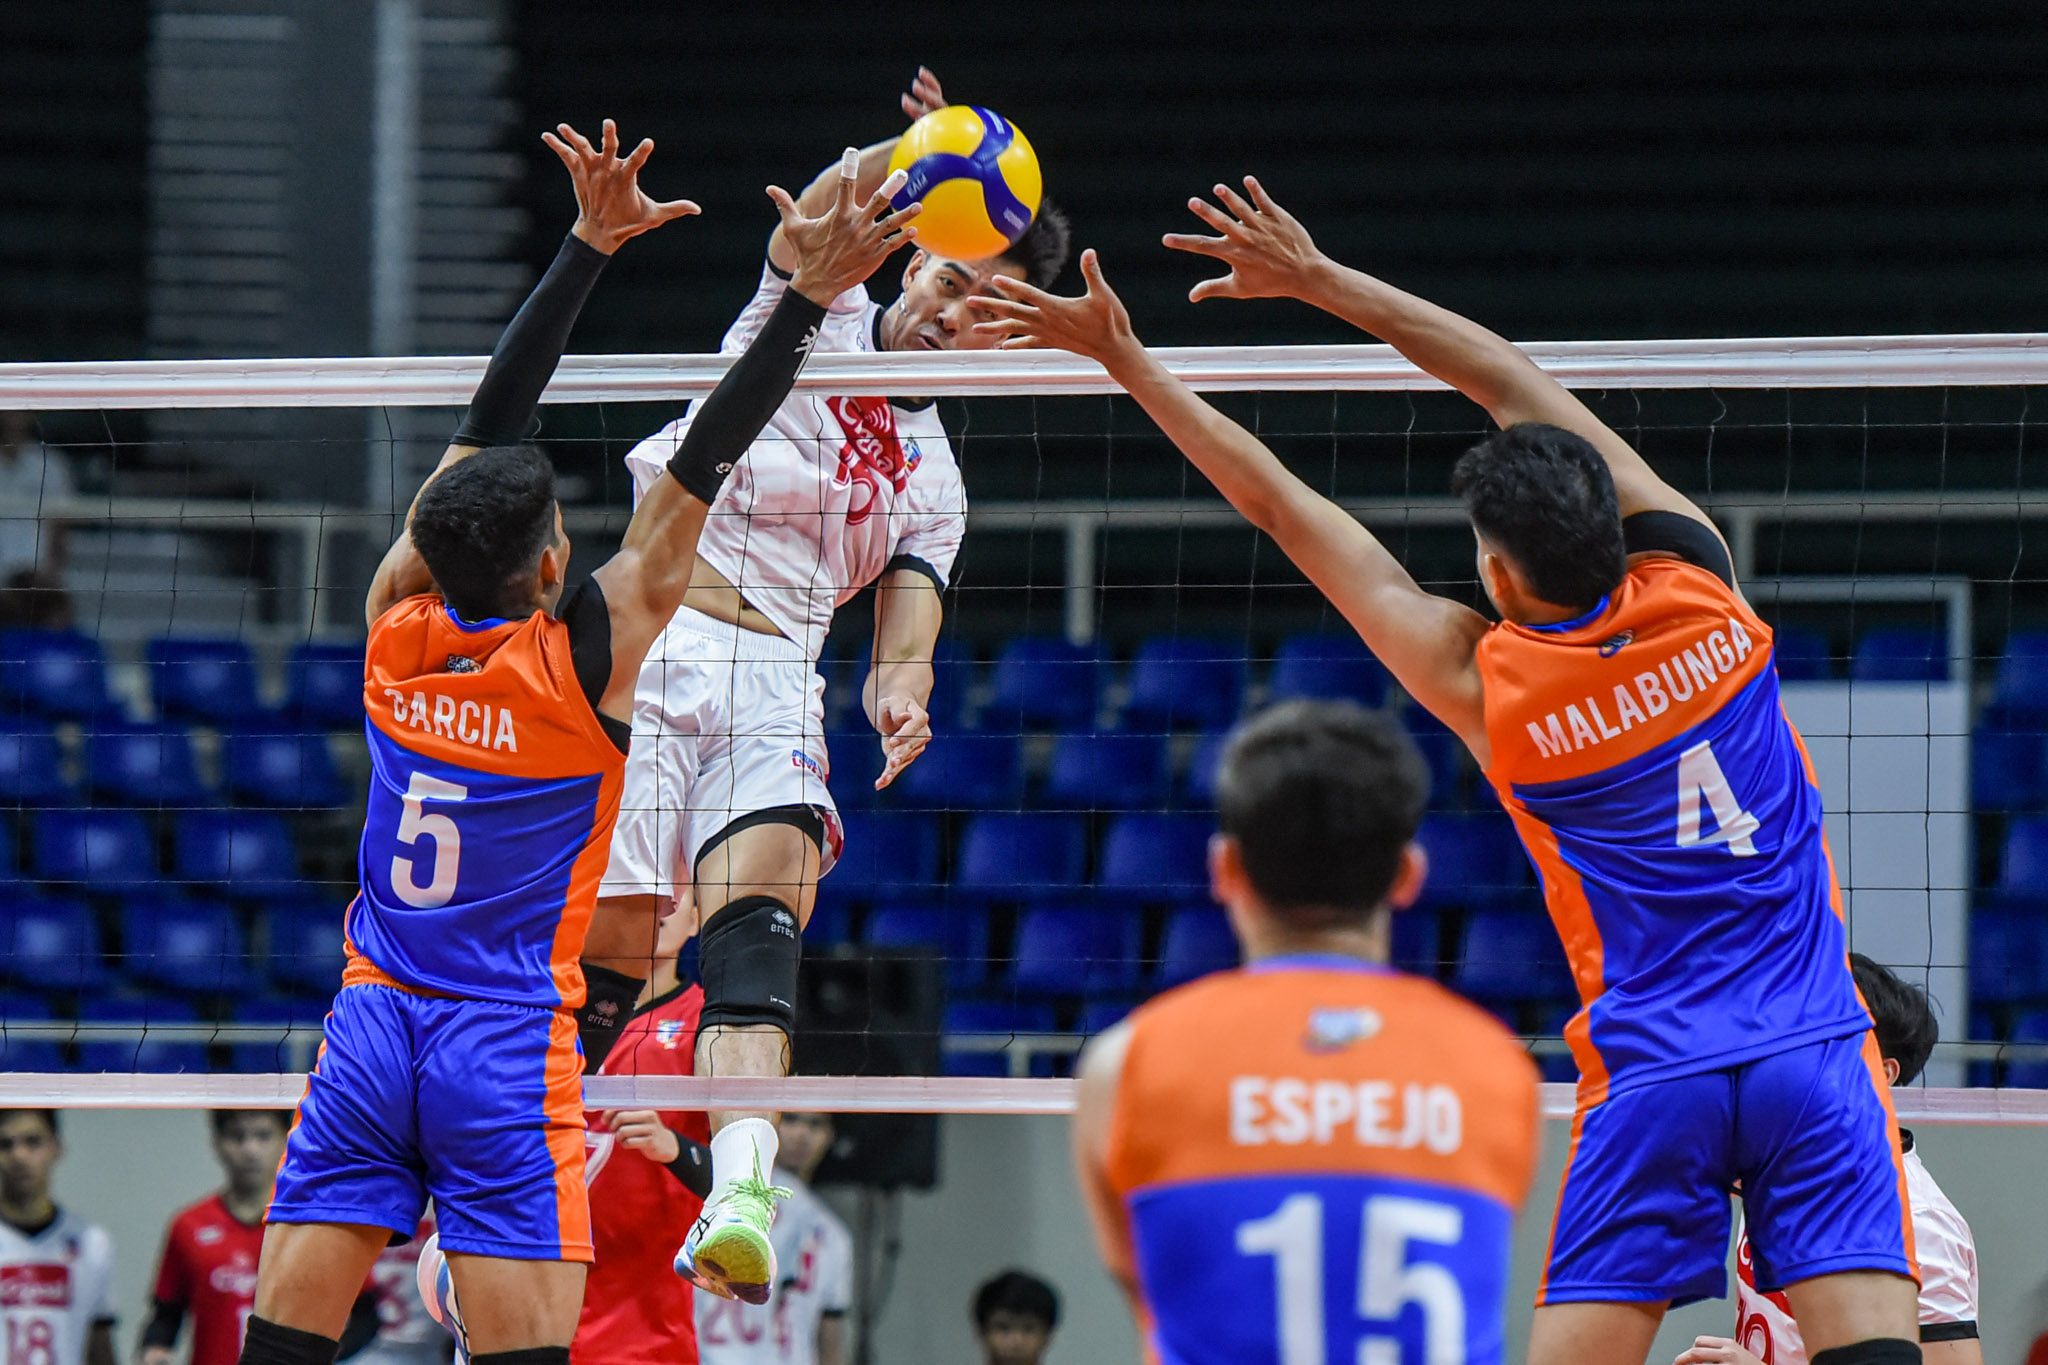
<point x="1319" y="1160"/>
<point x="1675" y="821"/>
<point x="493" y="792"/>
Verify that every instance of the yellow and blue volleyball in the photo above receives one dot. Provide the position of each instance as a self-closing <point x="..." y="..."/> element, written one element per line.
<point x="975" y="174"/>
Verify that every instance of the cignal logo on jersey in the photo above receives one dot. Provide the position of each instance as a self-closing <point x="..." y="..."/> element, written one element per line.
<point x="35" y="1286"/>
<point x="871" y="454"/>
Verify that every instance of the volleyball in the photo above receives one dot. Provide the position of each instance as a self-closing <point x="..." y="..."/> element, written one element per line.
<point x="977" y="177"/>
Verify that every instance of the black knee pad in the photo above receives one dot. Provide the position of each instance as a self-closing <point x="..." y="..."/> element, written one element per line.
<point x="268" y="1343"/>
<point x="532" y="1355"/>
<point x="748" y="955"/>
<point x="1877" y="1351"/>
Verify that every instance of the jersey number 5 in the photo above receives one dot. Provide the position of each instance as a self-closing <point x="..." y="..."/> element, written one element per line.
<point x="440" y="887"/>
<point x="1700" y="778"/>
<point x="1387" y="1281"/>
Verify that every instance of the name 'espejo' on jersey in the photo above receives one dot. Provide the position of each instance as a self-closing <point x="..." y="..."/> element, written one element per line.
<point x="1675" y="820"/>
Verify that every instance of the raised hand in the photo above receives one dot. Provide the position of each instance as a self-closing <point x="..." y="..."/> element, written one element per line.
<point x="906" y="728"/>
<point x="1095" y="325"/>
<point x="1715" y="1351"/>
<point x="924" y="95"/>
<point x="842" y="246"/>
<point x="642" y="1131"/>
<point x="1269" y="252"/>
<point x="611" y="207"/>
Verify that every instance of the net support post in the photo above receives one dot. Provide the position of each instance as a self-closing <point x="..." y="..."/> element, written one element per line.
<point x="1081" y="574"/>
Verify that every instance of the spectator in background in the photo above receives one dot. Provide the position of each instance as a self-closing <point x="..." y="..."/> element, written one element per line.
<point x="804" y="1320"/>
<point x="56" y="1272"/>
<point x="1014" y="1315"/>
<point x="31" y="544"/>
<point x="406" y="1333"/>
<point x="208" y="1266"/>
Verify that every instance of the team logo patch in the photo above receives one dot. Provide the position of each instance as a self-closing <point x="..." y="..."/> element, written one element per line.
<point x="799" y="759"/>
<point x="912" y="456"/>
<point x="462" y="663"/>
<point x="666" y="1031"/>
<point x="1613" y="645"/>
<point x="1333" y="1030"/>
<point x="206" y="1236"/>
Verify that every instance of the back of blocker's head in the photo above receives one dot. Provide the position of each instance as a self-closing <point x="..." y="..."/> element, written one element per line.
<point x="482" y="526"/>
<point x="1905" y="1025"/>
<point x="1544" y="497"/>
<point x="1321" y="799"/>
<point x="1043" y="250"/>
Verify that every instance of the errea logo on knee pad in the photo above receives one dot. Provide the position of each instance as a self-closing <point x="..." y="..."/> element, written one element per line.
<point x="782" y="922"/>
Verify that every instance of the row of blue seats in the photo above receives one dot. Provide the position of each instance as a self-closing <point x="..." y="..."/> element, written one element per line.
<point x="62" y="674"/>
<point x="1144" y="857"/>
<point x="190" y="945"/>
<point x="243" y="853"/>
<point x="155" y="765"/>
<point x="145" y="1051"/>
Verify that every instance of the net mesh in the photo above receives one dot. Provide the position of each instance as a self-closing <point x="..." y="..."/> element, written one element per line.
<point x="182" y="764"/>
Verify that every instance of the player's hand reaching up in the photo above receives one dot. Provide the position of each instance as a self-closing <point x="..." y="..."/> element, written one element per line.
<point x="611" y="206"/>
<point x="1095" y="325"/>
<point x="842" y="246"/>
<point x="924" y="95"/>
<point x="906" y="728"/>
<point x="1715" y="1351"/>
<point x="643" y="1131"/>
<point x="1269" y="252"/>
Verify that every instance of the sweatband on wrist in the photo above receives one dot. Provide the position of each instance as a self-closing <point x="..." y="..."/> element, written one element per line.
<point x="733" y="416"/>
<point x="531" y="347"/>
<point x="608" y="1000"/>
<point x="692" y="1166"/>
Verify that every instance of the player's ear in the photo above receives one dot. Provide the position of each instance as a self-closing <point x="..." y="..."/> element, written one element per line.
<point x="915" y="264"/>
<point x="1409" y="876"/>
<point x="1891" y="1071"/>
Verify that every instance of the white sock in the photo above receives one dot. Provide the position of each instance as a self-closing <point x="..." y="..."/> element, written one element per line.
<point x="736" y="1148"/>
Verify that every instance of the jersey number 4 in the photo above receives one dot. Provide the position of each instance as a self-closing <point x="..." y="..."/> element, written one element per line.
<point x="1387" y="1281"/>
<point x="1700" y="779"/>
<point x="447" y="840"/>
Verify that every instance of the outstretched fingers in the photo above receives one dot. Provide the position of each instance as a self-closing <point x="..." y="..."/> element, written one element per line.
<point x="1235" y="202"/>
<point x="639" y="155"/>
<point x="1196" y="243"/>
<point x="677" y="208"/>
<point x="1265" y="201"/>
<point x="576" y="139"/>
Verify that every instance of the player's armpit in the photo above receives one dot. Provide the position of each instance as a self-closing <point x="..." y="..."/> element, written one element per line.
<point x="645" y="582"/>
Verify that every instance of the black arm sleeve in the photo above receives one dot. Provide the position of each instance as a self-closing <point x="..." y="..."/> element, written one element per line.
<point x="1948" y="1331"/>
<point x="692" y="1166"/>
<point x="733" y="416"/>
<point x="583" y="612"/>
<point x="361" y="1328"/>
<point x="1675" y="533"/>
<point x="608" y="1002"/>
<point x="530" y="349"/>
<point x="916" y="565"/>
<point x="164" y="1321"/>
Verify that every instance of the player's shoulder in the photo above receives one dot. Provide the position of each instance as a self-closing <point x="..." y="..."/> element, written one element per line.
<point x="1930" y="1204"/>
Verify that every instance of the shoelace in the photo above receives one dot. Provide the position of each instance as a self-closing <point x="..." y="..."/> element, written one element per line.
<point x="759" y="1194"/>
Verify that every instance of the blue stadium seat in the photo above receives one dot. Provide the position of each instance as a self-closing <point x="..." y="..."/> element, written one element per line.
<point x="1900" y="655"/>
<point x="887" y="853"/>
<point x="1443" y="753"/>
<point x="977" y="1064"/>
<point x="1076" y="949"/>
<point x="144" y="1052"/>
<point x="2023" y="864"/>
<point x="1511" y="955"/>
<point x="281" y="1015"/>
<point x="1982" y="1030"/>
<point x="986" y="1017"/>
<point x="1011" y="857"/>
<point x="1198" y="785"/>
<point x="1334" y="665"/>
<point x="243" y="852"/>
<point x="209" y="681"/>
<point x="99" y="849"/>
<point x="192" y="946"/>
<point x="1108" y="772"/>
<point x="282" y="769"/>
<point x="1155" y="857"/>
<point x="19" y="1052"/>
<point x="144" y="765"/>
<point x="1042" y="682"/>
<point x="52" y="943"/>
<point x="326" y="688"/>
<point x="32" y="767"/>
<point x="304" y="953"/>
<point x="1801" y="655"/>
<point x="2008" y="956"/>
<point x="1100" y="1016"/>
<point x="1473" y="860"/>
<point x="2030" y="1073"/>
<point x="830" y="925"/>
<point x="1178" y="683"/>
<point x="963" y="771"/>
<point x="958" y="932"/>
<point x="2022" y="685"/>
<point x="53" y="672"/>
<point x="856" y="761"/>
<point x="1197" y="942"/>
<point x="2008" y="766"/>
<point x="1418" y="942"/>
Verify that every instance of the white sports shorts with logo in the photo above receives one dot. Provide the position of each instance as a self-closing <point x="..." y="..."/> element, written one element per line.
<point x="726" y="722"/>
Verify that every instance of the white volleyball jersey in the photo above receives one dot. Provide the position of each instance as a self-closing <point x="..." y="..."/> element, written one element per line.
<point x="832" y="491"/>
<point x="814" y="1256"/>
<point x="1948" y="1278"/>
<point x="53" y="1287"/>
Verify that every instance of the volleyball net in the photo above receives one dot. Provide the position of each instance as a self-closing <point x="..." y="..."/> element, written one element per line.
<point x="182" y="764"/>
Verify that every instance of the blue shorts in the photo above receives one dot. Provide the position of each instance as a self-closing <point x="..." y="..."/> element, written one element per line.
<point x="478" y="1106"/>
<point x="1809" y="1137"/>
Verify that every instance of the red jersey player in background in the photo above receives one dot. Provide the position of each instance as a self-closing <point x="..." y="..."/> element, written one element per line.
<point x="56" y="1272"/>
<point x="208" y="1265"/>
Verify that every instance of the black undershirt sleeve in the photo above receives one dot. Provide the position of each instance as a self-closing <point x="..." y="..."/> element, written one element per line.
<point x="530" y="349"/>
<point x="589" y="621"/>
<point x="1675" y="533"/>
<point x="732" y="418"/>
<point x="1947" y="1331"/>
<point x="164" y="1321"/>
<point x="916" y="565"/>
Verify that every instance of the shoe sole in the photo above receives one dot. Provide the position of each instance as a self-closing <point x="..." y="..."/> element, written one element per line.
<point x="734" y="1263"/>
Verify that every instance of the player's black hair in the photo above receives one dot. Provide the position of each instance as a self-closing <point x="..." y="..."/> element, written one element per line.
<point x="481" y="528"/>
<point x="1044" y="247"/>
<point x="1544" y="495"/>
<point x="1906" y="1029"/>
<point x="218" y="1119"/>
<point x="1321" y="798"/>
<point x="48" y="1116"/>
<point x="1016" y="1291"/>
